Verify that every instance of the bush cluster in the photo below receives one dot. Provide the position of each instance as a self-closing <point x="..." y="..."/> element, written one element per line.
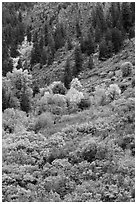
<point x="14" y="120"/>
<point x="54" y="103"/>
<point x="58" y="87"/>
<point x="45" y="120"/>
<point x="126" y="69"/>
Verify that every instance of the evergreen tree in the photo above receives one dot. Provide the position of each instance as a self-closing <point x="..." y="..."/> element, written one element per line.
<point x="46" y="34"/>
<point x="78" y="61"/>
<point x="35" y="37"/>
<point x="97" y="34"/>
<point x="69" y="44"/>
<point x="20" y="16"/>
<point x="132" y="8"/>
<point x="87" y="44"/>
<point x="126" y="16"/>
<point x="78" y="30"/>
<point x="41" y="43"/>
<point x="35" y="54"/>
<point x="117" y="39"/>
<point x="90" y="62"/>
<point x="50" y="56"/>
<point x="59" y="36"/>
<point x="43" y="58"/>
<point x="19" y="64"/>
<point x="98" y="18"/>
<point x="51" y="47"/>
<point x="28" y="33"/>
<point x="25" y="102"/>
<point x="35" y="88"/>
<point x="7" y="65"/>
<point x="67" y="74"/>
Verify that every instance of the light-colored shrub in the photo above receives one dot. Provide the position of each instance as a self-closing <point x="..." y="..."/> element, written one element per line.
<point x="74" y="96"/>
<point x="14" y="120"/>
<point x="75" y="83"/>
<point x="118" y="73"/>
<point x="45" y="90"/>
<point x="126" y="69"/>
<point x="113" y="91"/>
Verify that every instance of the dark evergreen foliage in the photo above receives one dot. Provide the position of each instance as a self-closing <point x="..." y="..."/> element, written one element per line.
<point x="59" y="36"/>
<point x="78" y="61"/>
<point x="25" y="102"/>
<point x="28" y="33"/>
<point x="7" y="65"/>
<point x="19" y="64"/>
<point x="90" y="62"/>
<point x="78" y="30"/>
<point x="88" y="44"/>
<point x="126" y="16"/>
<point x="12" y="32"/>
<point x="67" y="75"/>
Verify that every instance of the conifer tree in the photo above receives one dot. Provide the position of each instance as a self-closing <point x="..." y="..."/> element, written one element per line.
<point x="126" y="16"/>
<point x="78" y="61"/>
<point x="59" y="36"/>
<point x="78" y="30"/>
<point x="28" y="33"/>
<point x="20" y="16"/>
<point x="46" y="35"/>
<point x="67" y="74"/>
<point x="19" y="64"/>
<point x="43" y="58"/>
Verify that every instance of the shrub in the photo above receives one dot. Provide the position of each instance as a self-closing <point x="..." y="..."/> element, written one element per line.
<point x="126" y="69"/>
<point x="118" y="73"/>
<point x="75" y="83"/>
<point x="88" y="150"/>
<point x="14" y="120"/>
<point x="45" y="120"/>
<point x="72" y="107"/>
<point x="84" y="103"/>
<point x="55" y="103"/>
<point x="59" y="100"/>
<point x="46" y="89"/>
<point x="100" y="96"/>
<point x="59" y="88"/>
<point x="74" y="96"/>
<point x="113" y="91"/>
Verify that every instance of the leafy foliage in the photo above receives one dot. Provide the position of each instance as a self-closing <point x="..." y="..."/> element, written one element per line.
<point x="77" y="146"/>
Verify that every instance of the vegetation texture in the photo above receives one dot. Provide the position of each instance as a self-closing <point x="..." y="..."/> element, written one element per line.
<point x="68" y="102"/>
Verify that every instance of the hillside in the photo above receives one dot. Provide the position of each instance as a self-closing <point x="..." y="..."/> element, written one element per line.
<point x="73" y="143"/>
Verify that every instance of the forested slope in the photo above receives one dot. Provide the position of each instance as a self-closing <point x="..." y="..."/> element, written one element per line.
<point x="68" y="126"/>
